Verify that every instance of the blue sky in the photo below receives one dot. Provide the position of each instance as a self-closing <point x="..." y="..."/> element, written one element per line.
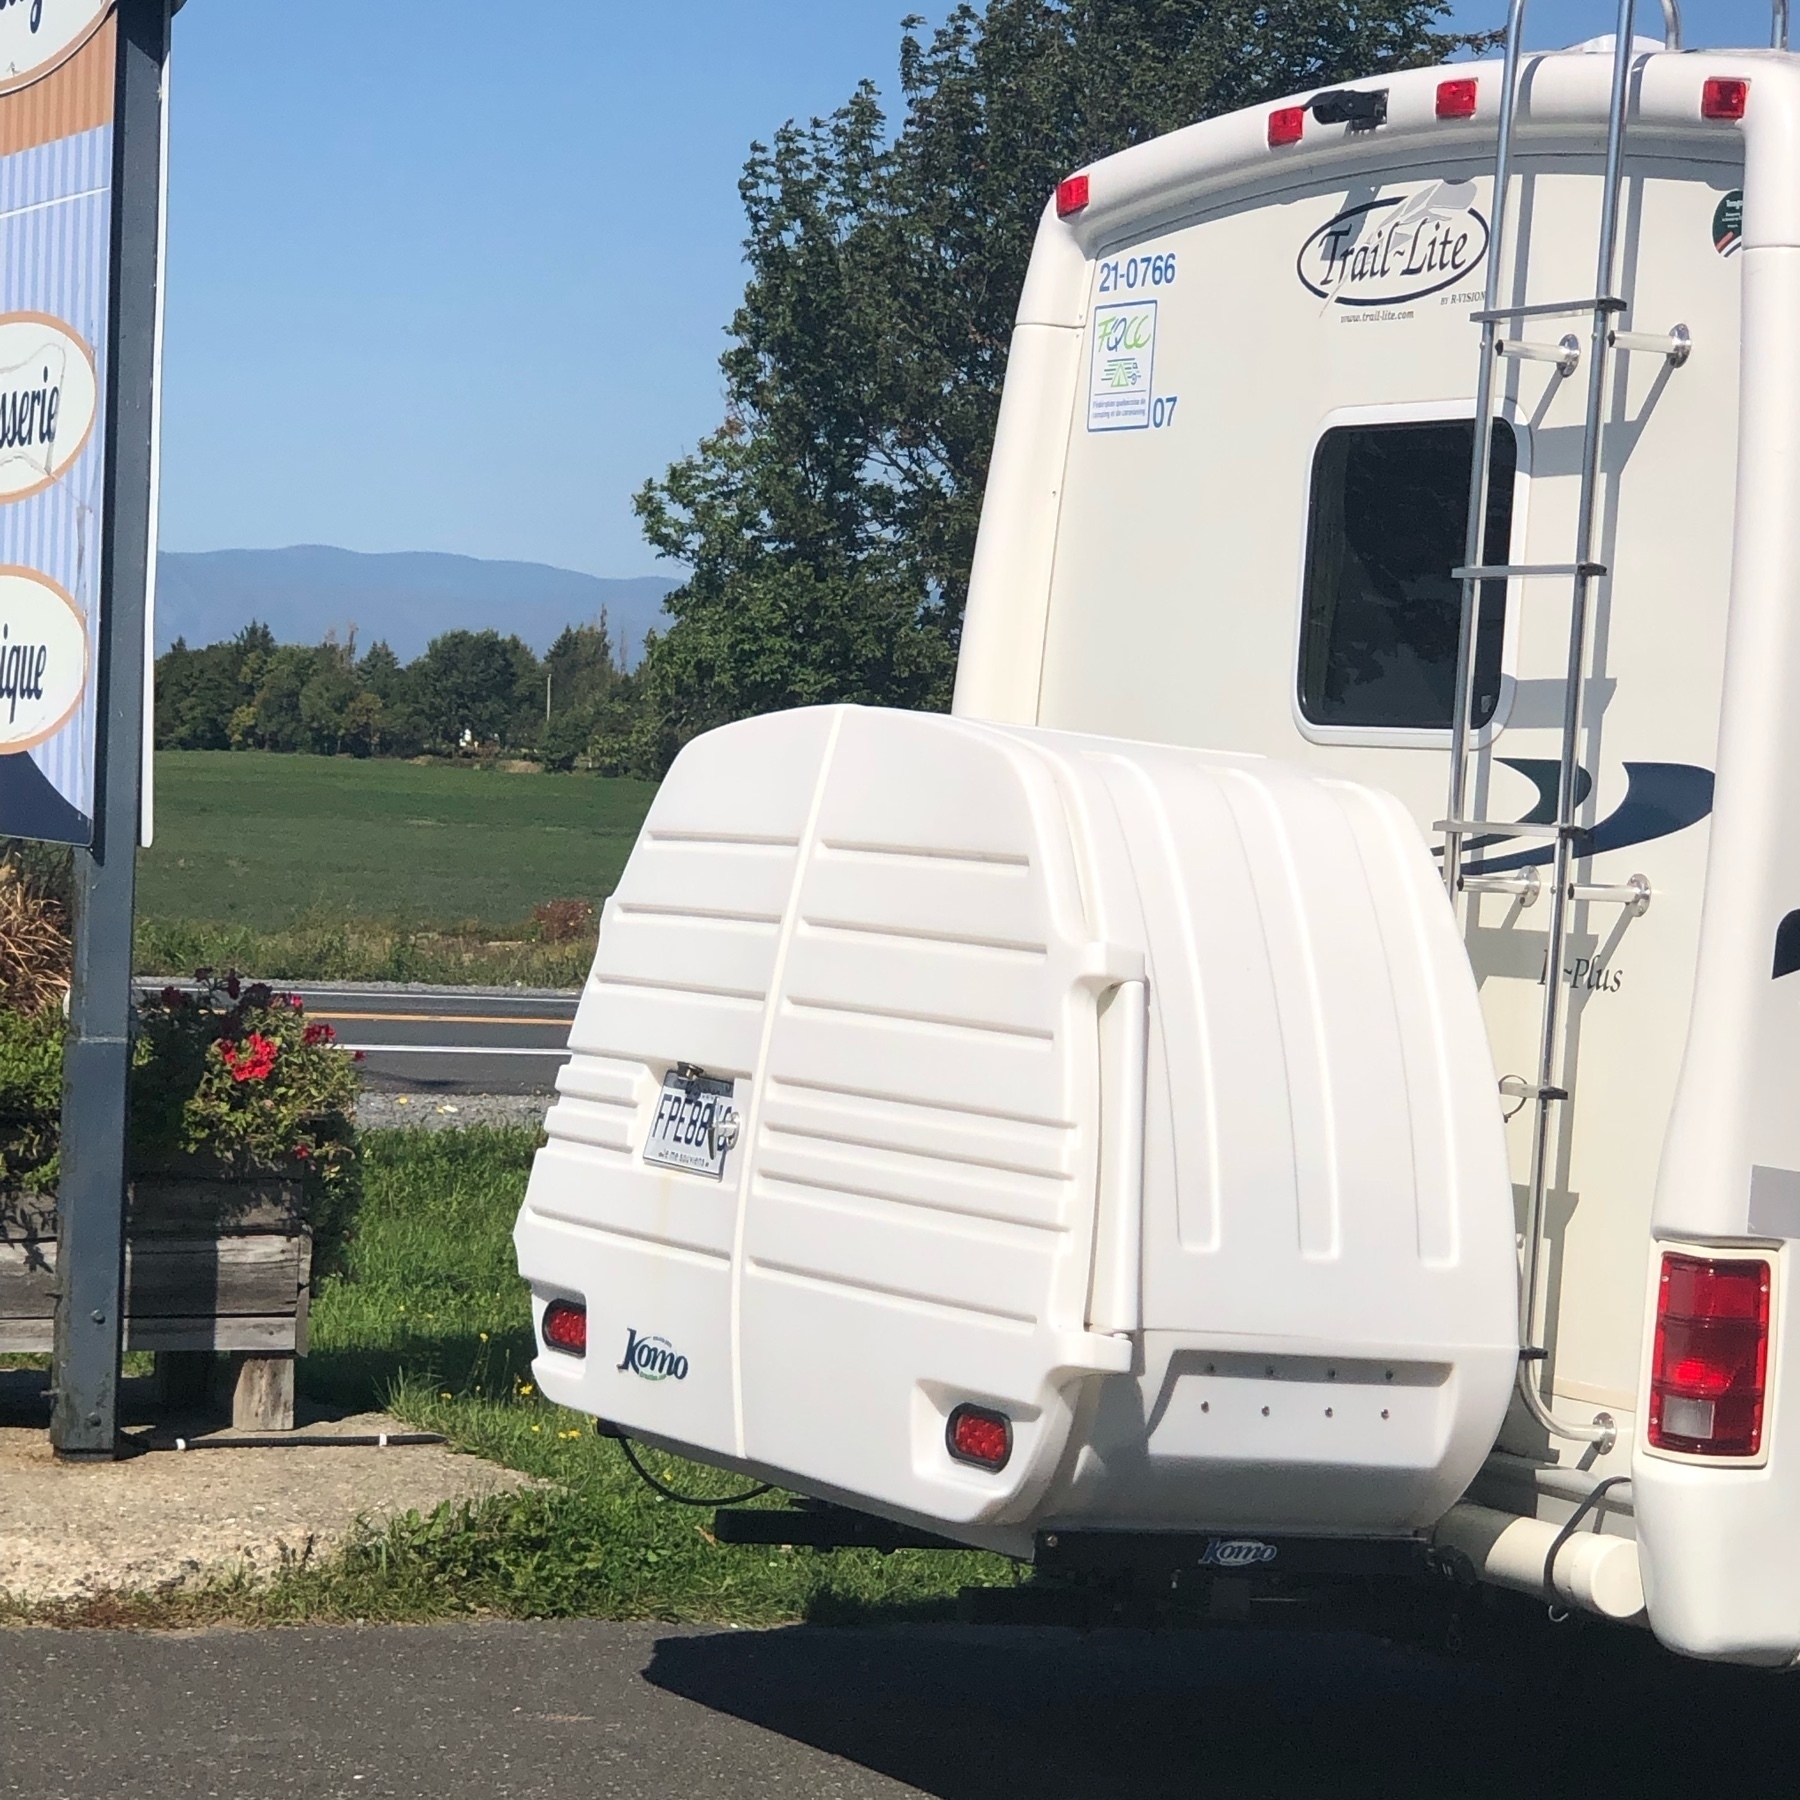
<point x="453" y="274"/>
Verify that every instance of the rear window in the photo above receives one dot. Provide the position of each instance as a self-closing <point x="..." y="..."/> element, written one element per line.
<point x="1389" y="512"/>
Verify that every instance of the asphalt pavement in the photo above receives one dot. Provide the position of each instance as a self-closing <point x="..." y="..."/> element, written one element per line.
<point x="493" y="1711"/>
<point x="444" y="1041"/>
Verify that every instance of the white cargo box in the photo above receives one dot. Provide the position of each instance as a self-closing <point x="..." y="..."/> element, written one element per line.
<point x="1138" y="1095"/>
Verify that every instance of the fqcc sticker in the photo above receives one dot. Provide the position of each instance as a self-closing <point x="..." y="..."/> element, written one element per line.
<point x="1120" y="387"/>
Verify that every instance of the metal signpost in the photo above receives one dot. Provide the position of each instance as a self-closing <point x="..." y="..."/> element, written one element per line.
<point x="81" y="180"/>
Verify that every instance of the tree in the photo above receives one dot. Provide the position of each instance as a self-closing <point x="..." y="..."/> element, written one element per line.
<point x="829" y="522"/>
<point x="198" y="690"/>
<point x="476" y="688"/>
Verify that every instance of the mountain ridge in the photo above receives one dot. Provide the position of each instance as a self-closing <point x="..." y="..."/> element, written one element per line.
<point x="407" y="597"/>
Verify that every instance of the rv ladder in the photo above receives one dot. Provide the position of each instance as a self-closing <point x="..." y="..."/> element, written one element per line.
<point x="1604" y="308"/>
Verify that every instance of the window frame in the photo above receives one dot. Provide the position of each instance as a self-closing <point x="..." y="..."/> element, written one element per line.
<point x="1411" y="737"/>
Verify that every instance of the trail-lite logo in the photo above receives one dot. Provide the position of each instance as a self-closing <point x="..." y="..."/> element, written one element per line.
<point x="653" y="1358"/>
<point x="1237" y="1553"/>
<point x="1391" y="250"/>
<point x="36" y="35"/>
<point x="43" y="658"/>
<point x="49" y="397"/>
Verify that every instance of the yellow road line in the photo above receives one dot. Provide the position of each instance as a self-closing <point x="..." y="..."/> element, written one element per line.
<point x="437" y="1018"/>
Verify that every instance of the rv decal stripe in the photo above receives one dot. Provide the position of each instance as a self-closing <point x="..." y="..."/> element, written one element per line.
<point x="1787" y="946"/>
<point x="1660" y="800"/>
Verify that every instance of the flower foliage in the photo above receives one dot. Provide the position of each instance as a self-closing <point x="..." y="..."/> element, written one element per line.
<point x="236" y="1072"/>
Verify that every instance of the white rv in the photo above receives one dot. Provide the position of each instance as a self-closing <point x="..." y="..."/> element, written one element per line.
<point x="1309" y="1053"/>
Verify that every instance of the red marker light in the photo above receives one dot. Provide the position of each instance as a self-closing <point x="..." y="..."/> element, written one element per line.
<point x="975" y="1435"/>
<point x="1287" y="125"/>
<point x="1456" y="99"/>
<point x="1709" y="1364"/>
<point x="1724" y="97"/>
<point x="565" y="1327"/>
<point x="1071" y="195"/>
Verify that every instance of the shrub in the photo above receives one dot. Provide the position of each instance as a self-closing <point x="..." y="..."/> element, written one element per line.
<point x="31" y="1050"/>
<point x="34" y="938"/>
<point x="563" y="921"/>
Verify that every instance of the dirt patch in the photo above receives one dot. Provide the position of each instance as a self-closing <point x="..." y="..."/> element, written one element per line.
<point x="432" y="1112"/>
<point x="169" y="1518"/>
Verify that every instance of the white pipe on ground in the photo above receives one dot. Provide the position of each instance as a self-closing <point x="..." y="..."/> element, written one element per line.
<point x="1597" y="1573"/>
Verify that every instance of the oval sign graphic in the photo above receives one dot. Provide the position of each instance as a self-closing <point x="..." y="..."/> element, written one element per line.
<point x="43" y="658"/>
<point x="49" y="396"/>
<point x="36" y="35"/>
<point x="1392" y="250"/>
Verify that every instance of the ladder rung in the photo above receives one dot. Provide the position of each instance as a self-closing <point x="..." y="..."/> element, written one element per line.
<point x="1516" y="1087"/>
<point x="1501" y="828"/>
<point x="1521" y="571"/>
<point x="1566" y="355"/>
<point x="1551" y="309"/>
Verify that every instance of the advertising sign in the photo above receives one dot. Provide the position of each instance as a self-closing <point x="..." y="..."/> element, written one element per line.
<point x="57" y="62"/>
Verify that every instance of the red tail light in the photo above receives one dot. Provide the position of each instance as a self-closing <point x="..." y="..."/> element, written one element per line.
<point x="1287" y="125"/>
<point x="565" y="1327"/>
<point x="1724" y="98"/>
<point x="1071" y="195"/>
<point x="1456" y="99"/>
<point x="1709" y="1367"/>
<point x="975" y="1435"/>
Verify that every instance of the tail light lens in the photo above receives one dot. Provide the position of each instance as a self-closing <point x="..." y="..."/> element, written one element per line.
<point x="1456" y="99"/>
<point x="976" y="1435"/>
<point x="1287" y="125"/>
<point x="1071" y="195"/>
<point x="1723" y="98"/>
<point x="1709" y="1367"/>
<point x="565" y="1327"/>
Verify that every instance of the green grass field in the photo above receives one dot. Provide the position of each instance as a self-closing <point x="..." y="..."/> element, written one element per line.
<point x="431" y="1319"/>
<point x="253" y="839"/>
<point x="330" y="867"/>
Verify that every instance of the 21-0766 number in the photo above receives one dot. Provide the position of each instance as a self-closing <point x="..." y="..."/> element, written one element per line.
<point x="1125" y="275"/>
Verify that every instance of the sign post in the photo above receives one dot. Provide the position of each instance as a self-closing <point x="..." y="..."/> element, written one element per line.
<point x="82" y="132"/>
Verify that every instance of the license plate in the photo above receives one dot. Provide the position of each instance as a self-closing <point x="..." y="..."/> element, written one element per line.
<point x="696" y="1123"/>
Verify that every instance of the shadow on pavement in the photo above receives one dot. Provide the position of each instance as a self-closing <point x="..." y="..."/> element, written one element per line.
<point x="981" y="1714"/>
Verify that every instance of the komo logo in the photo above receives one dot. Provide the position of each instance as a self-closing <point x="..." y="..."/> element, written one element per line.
<point x="654" y="1358"/>
<point x="1237" y="1553"/>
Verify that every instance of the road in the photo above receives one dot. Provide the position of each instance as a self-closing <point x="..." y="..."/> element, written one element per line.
<point x="492" y="1711"/>
<point x="447" y="1040"/>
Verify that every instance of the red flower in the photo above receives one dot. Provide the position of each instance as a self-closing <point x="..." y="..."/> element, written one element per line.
<point x="251" y="1061"/>
<point x="317" y="1034"/>
<point x="359" y="1056"/>
<point x="174" y="999"/>
<point x="301" y="1151"/>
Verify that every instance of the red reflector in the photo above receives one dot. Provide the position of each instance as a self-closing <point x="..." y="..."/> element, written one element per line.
<point x="975" y="1435"/>
<point x="1287" y="124"/>
<point x="1456" y="99"/>
<point x="1709" y="1365"/>
<point x="565" y="1327"/>
<point x="1071" y="195"/>
<point x="1723" y="97"/>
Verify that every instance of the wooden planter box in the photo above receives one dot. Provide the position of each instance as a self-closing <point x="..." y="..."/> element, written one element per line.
<point x="213" y="1263"/>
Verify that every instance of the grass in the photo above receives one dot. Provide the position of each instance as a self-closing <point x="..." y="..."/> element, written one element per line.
<point x="314" y="867"/>
<point x="431" y="1320"/>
